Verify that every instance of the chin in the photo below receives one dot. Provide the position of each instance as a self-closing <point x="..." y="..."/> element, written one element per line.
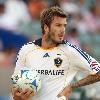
<point x="60" y="41"/>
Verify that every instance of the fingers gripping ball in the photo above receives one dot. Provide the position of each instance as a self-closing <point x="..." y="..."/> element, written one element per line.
<point x="27" y="78"/>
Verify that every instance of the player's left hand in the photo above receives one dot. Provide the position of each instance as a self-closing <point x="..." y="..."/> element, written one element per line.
<point x="66" y="91"/>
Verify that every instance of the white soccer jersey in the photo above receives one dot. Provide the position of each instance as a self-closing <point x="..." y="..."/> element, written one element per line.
<point x="57" y="66"/>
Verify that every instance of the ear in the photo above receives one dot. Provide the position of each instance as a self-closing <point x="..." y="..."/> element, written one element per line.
<point x="46" y="29"/>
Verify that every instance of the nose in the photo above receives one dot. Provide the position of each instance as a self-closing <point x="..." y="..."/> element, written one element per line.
<point x="63" y="29"/>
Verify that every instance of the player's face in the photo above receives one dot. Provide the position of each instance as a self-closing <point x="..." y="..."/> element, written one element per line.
<point x="57" y="29"/>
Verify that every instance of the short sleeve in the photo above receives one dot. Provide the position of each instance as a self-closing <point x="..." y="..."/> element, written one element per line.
<point x="22" y="55"/>
<point x="20" y="60"/>
<point x="82" y="61"/>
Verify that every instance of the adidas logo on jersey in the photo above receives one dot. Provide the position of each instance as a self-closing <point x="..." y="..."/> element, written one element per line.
<point x="46" y="55"/>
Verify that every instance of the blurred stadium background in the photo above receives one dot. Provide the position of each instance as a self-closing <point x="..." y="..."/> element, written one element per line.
<point x="19" y="24"/>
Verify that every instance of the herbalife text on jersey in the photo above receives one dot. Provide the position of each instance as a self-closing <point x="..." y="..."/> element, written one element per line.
<point x="51" y="72"/>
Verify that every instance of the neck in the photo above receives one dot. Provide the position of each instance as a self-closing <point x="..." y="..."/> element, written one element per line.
<point x="47" y="43"/>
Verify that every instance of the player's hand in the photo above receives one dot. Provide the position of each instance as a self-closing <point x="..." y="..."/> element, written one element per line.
<point x="66" y="91"/>
<point x="19" y="94"/>
<point x="62" y="98"/>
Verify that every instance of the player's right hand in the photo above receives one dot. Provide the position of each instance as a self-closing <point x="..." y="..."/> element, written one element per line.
<point x="62" y="98"/>
<point x="19" y="94"/>
<point x="66" y="91"/>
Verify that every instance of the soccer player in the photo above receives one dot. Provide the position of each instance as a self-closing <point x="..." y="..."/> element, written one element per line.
<point x="56" y="60"/>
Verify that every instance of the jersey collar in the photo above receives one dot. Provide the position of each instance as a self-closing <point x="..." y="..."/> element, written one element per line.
<point x="39" y="42"/>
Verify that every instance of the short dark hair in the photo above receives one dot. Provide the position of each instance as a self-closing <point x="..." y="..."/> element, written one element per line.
<point x="49" y="13"/>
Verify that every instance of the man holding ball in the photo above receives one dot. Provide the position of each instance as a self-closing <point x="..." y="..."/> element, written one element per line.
<point x="56" y="60"/>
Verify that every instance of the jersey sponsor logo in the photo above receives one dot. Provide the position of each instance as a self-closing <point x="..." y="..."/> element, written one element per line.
<point x="58" y="62"/>
<point x="51" y="72"/>
<point x="46" y="55"/>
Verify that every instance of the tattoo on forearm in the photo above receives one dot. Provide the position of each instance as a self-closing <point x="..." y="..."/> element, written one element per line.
<point x="87" y="80"/>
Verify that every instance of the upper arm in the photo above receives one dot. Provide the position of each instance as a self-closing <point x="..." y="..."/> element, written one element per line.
<point x="84" y="62"/>
<point x="81" y="61"/>
<point x="21" y="57"/>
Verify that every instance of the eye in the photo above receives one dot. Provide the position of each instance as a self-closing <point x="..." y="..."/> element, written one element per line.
<point x="58" y="25"/>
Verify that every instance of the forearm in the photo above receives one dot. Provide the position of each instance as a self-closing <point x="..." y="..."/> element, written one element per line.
<point x="87" y="80"/>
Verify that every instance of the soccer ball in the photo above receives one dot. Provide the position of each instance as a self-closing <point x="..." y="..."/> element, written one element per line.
<point x="27" y="78"/>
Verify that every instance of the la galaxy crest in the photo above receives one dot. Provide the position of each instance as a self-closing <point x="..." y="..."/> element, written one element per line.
<point x="58" y="62"/>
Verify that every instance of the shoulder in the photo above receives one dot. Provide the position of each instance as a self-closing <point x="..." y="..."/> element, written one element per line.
<point x="27" y="46"/>
<point x="67" y="45"/>
<point x="72" y="49"/>
<point x="76" y="51"/>
<point x="31" y="45"/>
